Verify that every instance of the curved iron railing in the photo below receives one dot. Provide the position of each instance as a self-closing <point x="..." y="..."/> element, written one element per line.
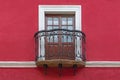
<point x="65" y="36"/>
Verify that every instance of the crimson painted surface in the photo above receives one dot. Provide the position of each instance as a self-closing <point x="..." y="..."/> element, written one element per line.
<point x="19" y="22"/>
<point x="82" y="74"/>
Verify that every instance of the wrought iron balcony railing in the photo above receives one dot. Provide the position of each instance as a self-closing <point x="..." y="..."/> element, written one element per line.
<point x="60" y="45"/>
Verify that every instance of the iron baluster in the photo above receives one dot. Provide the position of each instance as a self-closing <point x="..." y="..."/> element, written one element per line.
<point x="62" y="40"/>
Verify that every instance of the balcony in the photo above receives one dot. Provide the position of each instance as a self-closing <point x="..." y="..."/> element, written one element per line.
<point x="60" y="47"/>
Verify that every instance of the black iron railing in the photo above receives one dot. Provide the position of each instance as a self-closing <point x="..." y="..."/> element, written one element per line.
<point x="67" y="42"/>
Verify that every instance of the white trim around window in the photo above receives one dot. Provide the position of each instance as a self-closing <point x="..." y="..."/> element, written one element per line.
<point x="59" y="9"/>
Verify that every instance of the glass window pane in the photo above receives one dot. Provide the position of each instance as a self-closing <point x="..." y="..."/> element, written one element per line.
<point x="64" y="38"/>
<point x="64" y="27"/>
<point x="70" y="21"/>
<point x="55" y="21"/>
<point x="56" y="32"/>
<point x="49" y="27"/>
<point x="53" y="38"/>
<point x="70" y="27"/>
<point x="64" y="21"/>
<point x="69" y="38"/>
<point x="55" y="27"/>
<point x="50" y="38"/>
<point x="56" y="38"/>
<point x="49" y="21"/>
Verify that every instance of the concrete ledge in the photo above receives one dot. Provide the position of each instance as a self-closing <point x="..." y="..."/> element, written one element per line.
<point x="17" y="64"/>
<point x="32" y="64"/>
<point x="102" y="64"/>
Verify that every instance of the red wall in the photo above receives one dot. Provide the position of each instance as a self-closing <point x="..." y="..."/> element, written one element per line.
<point x="82" y="74"/>
<point x="19" y="22"/>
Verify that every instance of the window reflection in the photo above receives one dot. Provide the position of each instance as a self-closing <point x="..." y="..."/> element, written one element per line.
<point x="55" y="21"/>
<point x="69" y="38"/>
<point x="56" y="38"/>
<point x="70" y="21"/>
<point x="70" y="27"/>
<point x="49" y="21"/>
<point x="64" y="21"/>
<point x="66" y="38"/>
<point x="55" y="27"/>
<point x="64" y="27"/>
<point x="50" y="39"/>
<point x="53" y="38"/>
<point x="49" y="28"/>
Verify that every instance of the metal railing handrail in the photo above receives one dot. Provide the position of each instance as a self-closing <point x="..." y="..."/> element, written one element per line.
<point x="74" y="33"/>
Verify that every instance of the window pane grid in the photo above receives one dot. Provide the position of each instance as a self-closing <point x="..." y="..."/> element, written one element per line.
<point x="60" y="22"/>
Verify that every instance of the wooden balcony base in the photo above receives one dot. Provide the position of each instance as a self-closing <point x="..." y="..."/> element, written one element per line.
<point x="64" y="62"/>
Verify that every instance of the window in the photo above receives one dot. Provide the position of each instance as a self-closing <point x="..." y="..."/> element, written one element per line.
<point x="59" y="17"/>
<point x="59" y="9"/>
<point x="60" y="21"/>
<point x="63" y="44"/>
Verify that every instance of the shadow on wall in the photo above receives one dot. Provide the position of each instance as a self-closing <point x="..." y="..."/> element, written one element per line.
<point x="59" y="72"/>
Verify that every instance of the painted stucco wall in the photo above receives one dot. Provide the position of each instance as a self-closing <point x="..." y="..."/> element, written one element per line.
<point x="82" y="74"/>
<point x="19" y="22"/>
<point x="100" y="23"/>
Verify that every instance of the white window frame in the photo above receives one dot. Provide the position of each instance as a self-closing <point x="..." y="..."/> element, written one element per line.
<point x="61" y="9"/>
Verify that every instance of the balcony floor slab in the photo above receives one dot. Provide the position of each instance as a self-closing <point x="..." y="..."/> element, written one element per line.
<point x="64" y="62"/>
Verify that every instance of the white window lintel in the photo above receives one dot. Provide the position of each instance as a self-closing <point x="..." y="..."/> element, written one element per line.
<point x="76" y="9"/>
